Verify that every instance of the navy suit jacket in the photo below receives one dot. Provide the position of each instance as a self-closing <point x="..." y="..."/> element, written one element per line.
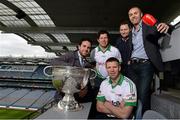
<point x="124" y="49"/>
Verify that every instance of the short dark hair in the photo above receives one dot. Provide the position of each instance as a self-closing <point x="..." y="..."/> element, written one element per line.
<point x="112" y="59"/>
<point x="124" y="23"/>
<point x="85" y="39"/>
<point x="136" y="7"/>
<point x="103" y="32"/>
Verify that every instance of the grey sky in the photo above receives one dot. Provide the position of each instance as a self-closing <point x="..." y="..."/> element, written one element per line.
<point x="13" y="45"/>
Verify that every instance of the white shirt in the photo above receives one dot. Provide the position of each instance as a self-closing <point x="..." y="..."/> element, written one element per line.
<point x="125" y="90"/>
<point x="100" y="57"/>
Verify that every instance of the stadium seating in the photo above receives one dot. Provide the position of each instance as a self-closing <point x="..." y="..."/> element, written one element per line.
<point x="25" y="98"/>
<point x="38" y="73"/>
<point x="25" y="86"/>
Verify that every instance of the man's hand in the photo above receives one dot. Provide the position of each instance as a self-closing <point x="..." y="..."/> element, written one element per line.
<point x="122" y="104"/>
<point x="120" y="111"/>
<point x="83" y="92"/>
<point x="108" y="104"/>
<point x="162" y="27"/>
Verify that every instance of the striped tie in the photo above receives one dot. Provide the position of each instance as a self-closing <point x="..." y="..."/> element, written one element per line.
<point x="82" y="62"/>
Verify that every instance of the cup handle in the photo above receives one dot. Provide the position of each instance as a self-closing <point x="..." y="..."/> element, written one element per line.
<point x="95" y="74"/>
<point x="44" y="71"/>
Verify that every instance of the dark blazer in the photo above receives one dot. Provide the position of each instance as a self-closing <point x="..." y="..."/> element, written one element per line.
<point x="69" y="59"/>
<point x="150" y="40"/>
<point x="124" y="49"/>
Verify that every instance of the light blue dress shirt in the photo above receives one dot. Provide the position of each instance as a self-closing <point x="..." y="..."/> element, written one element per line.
<point x="138" y="46"/>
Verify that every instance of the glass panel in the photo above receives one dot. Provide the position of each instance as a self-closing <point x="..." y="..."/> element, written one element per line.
<point x="176" y="20"/>
<point x="34" y="11"/>
<point x="62" y="38"/>
<point x="39" y="37"/>
<point x="56" y="47"/>
<point x="12" y="21"/>
<point x="71" y="48"/>
<point x="7" y="17"/>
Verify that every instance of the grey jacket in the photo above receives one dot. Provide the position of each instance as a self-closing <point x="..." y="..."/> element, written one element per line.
<point x="69" y="59"/>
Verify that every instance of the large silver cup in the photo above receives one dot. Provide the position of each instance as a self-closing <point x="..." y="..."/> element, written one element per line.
<point x="70" y="80"/>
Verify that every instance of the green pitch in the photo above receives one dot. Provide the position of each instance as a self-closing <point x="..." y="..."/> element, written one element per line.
<point x="16" y="114"/>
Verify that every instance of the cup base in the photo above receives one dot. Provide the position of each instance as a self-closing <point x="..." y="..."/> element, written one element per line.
<point x="69" y="106"/>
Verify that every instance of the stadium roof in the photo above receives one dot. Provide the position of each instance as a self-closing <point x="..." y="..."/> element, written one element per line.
<point x="57" y="24"/>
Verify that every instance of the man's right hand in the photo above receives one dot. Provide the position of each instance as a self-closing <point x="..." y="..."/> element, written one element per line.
<point x="83" y="92"/>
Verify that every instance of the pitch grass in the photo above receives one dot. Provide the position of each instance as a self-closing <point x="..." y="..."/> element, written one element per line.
<point x="16" y="114"/>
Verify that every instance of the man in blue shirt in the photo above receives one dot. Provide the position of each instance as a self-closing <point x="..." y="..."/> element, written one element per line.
<point x="145" y="54"/>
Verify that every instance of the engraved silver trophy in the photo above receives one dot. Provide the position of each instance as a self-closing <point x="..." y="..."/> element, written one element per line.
<point x="70" y="80"/>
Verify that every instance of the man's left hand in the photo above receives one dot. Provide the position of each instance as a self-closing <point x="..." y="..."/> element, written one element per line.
<point x="162" y="27"/>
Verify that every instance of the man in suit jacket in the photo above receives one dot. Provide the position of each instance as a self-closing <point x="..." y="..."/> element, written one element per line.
<point x="145" y="54"/>
<point x="76" y="58"/>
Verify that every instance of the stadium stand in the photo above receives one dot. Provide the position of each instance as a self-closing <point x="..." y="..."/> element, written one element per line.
<point x="23" y="84"/>
<point x="38" y="73"/>
<point x="24" y="76"/>
<point x="5" y="92"/>
<point x="13" y="97"/>
<point x="29" y="98"/>
<point x="47" y="96"/>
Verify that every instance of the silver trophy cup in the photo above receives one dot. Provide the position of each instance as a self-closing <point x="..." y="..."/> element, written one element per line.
<point x="70" y="80"/>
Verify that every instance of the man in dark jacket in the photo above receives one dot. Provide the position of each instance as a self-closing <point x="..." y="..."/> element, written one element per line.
<point x="145" y="54"/>
<point x="77" y="58"/>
